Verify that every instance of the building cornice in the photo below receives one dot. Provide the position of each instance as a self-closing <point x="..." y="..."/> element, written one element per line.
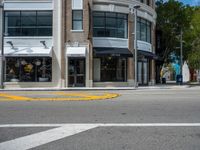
<point x="128" y="3"/>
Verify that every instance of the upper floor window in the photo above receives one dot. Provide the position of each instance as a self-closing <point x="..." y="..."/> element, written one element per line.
<point x="143" y="30"/>
<point x="107" y="24"/>
<point x="28" y="23"/>
<point x="77" y="20"/>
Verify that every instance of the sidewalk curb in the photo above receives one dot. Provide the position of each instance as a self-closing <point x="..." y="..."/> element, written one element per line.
<point x="99" y="89"/>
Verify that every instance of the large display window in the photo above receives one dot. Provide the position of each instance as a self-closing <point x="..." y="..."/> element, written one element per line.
<point x="111" y="69"/>
<point x="28" y="69"/>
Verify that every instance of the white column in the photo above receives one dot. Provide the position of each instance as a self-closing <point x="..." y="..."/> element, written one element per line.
<point x="58" y="43"/>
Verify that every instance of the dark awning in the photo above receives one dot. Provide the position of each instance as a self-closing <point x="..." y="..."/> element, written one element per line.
<point x="114" y="52"/>
<point x="147" y="54"/>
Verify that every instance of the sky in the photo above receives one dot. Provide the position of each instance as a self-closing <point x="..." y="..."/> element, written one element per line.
<point x="191" y="2"/>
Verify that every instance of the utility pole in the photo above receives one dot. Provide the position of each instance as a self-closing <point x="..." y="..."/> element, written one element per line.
<point x="136" y="7"/>
<point x="181" y="54"/>
<point x="2" y="47"/>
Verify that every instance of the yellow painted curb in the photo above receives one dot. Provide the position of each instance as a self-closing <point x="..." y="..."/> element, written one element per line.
<point x="14" y="97"/>
<point x="75" y="97"/>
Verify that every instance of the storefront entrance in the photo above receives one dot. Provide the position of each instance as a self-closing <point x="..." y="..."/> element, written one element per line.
<point x="76" y="72"/>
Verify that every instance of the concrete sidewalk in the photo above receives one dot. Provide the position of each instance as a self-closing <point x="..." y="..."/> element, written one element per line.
<point x="166" y="86"/>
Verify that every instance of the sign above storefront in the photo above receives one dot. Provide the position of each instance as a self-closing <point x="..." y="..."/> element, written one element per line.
<point x="113" y="52"/>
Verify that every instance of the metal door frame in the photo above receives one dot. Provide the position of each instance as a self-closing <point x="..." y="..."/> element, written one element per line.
<point x="75" y="59"/>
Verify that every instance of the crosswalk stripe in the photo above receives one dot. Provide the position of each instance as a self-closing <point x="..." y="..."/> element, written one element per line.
<point x="65" y="130"/>
<point x="41" y="138"/>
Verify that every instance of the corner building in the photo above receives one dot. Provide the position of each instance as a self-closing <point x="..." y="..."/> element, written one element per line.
<point x="100" y="42"/>
<point x="77" y="43"/>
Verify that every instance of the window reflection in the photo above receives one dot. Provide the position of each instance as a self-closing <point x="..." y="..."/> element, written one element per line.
<point x="106" y="24"/>
<point x="143" y="30"/>
<point x="28" y="23"/>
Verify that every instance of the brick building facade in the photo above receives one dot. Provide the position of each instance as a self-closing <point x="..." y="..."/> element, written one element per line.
<point x="91" y="43"/>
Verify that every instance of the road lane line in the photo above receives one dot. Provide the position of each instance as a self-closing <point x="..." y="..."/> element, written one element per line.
<point x="41" y="138"/>
<point x="104" y="125"/>
<point x="153" y="125"/>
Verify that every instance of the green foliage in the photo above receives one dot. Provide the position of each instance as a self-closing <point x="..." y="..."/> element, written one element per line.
<point x="195" y="23"/>
<point x="194" y="56"/>
<point x="192" y="36"/>
<point x="172" y="17"/>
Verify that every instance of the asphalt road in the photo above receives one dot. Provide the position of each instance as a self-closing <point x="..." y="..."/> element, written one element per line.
<point x="164" y="106"/>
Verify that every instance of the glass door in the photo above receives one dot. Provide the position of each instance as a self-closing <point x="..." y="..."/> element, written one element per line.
<point x="143" y="73"/>
<point x="76" y="72"/>
<point x="139" y="72"/>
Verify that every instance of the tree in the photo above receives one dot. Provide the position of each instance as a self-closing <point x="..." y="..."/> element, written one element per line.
<point x="194" y="56"/>
<point x="172" y="17"/>
<point x="193" y="37"/>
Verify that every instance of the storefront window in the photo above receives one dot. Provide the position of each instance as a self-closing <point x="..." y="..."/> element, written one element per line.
<point x="107" y="24"/>
<point x="143" y="30"/>
<point x="28" y="69"/>
<point x="113" y="69"/>
<point x="28" y="23"/>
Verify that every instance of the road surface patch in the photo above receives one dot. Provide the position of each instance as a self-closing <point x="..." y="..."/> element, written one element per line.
<point x="59" y="96"/>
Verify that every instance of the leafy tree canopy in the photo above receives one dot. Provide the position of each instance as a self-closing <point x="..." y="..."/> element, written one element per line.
<point x="172" y="17"/>
<point x="193" y="37"/>
<point x="194" y="56"/>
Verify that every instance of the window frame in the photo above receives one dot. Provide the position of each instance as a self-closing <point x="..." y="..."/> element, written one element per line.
<point x="106" y="16"/>
<point x="77" y="20"/>
<point x="36" y="27"/>
<point x="147" y="25"/>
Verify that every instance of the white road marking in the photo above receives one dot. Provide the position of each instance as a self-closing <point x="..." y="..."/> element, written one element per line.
<point x="66" y="130"/>
<point x="41" y="138"/>
<point x="30" y="125"/>
<point x="104" y="125"/>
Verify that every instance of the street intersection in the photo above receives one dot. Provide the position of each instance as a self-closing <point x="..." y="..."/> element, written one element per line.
<point x="134" y="119"/>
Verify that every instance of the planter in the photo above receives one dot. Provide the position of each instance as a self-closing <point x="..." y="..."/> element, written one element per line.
<point x="43" y="79"/>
